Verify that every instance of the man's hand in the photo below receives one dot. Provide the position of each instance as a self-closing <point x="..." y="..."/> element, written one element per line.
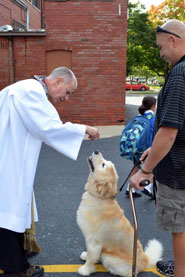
<point x="137" y="178"/>
<point x="92" y="132"/>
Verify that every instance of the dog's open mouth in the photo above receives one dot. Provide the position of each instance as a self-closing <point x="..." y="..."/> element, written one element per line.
<point x="91" y="163"/>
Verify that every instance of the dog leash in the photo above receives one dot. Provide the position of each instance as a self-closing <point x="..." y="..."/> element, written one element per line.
<point x="143" y="183"/>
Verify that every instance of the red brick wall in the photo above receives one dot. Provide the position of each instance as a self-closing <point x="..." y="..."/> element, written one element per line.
<point x="10" y="11"/>
<point x="4" y="62"/>
<point x="96" y="35"/>
<point x="29" y="57"/>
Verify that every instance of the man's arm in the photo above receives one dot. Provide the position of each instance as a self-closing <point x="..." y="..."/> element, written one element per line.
<point x="163" y="141"/>
<point x="92" y="132"/>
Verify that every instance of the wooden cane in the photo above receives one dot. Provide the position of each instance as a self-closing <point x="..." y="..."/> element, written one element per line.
<point x="135" y="233"/>
<point x="134" y="260"/>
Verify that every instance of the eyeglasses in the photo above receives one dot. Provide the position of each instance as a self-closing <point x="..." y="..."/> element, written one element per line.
<point x="159" y="29"/>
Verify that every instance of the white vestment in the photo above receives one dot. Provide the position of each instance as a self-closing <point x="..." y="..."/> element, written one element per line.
<point x="27" y="119"/>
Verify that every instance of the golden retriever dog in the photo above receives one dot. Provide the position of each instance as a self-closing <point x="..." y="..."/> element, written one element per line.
<point x="108" y="234"/>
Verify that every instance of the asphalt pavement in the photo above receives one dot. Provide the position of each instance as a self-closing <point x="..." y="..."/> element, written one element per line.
<point x="59" y="185"/>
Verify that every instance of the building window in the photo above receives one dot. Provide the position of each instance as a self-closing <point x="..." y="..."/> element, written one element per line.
<point x="36" y="3"/>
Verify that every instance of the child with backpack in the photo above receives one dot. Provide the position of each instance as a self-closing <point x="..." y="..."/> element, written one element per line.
<point x="137" y="137"/>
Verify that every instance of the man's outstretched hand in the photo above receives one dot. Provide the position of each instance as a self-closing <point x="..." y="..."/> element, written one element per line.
<point x="92" y="133"/>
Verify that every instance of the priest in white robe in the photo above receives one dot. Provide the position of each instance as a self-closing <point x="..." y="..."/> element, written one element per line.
<point x="27" y="118"/>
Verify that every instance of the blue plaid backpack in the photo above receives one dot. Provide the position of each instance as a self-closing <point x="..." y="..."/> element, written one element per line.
<point x="135" y="137"/>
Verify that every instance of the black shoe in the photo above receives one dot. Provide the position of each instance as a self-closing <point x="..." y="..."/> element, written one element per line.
<point x="146" y="192"/>
<point x="134" y="194"/>
<point x="166" y="268"/>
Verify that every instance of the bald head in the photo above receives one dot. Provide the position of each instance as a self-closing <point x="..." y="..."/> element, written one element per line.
<point x="175" y="26"/>
<point x="171" y="41"/>
<point x="65" y="73"/>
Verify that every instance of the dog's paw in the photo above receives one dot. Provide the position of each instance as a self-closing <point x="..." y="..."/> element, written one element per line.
<point x="83" y="256"/>
<point x="86" y="270"/>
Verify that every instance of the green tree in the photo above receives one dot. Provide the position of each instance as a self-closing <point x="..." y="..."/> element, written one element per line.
<point x="142" y="50"/>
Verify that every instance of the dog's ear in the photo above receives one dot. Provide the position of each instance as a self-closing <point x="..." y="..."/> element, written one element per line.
<point x="106" y="190"/>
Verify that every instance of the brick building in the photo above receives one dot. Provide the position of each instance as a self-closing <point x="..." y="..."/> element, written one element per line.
<point x="88" y="36"/>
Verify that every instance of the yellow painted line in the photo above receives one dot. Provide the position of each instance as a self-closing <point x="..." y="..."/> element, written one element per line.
<point x="69" y="268"/>
<point x="74" y="268"/>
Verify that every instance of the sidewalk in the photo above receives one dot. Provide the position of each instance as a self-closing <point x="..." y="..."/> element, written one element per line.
<point x="132" y="102"/>
<point x="109" y="131"/>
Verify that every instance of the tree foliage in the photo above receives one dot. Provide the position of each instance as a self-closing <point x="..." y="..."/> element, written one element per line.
<point x="142" y="51"/>
<point x="168" y="9"/>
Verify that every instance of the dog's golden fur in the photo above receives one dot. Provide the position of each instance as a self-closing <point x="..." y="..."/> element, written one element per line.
<point x="108" y="233"/>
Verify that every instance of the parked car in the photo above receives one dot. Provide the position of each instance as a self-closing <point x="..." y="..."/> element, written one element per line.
<point x="136" y="86"/>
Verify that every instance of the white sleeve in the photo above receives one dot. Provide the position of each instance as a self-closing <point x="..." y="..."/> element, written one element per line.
<point x="42" y="120"/>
